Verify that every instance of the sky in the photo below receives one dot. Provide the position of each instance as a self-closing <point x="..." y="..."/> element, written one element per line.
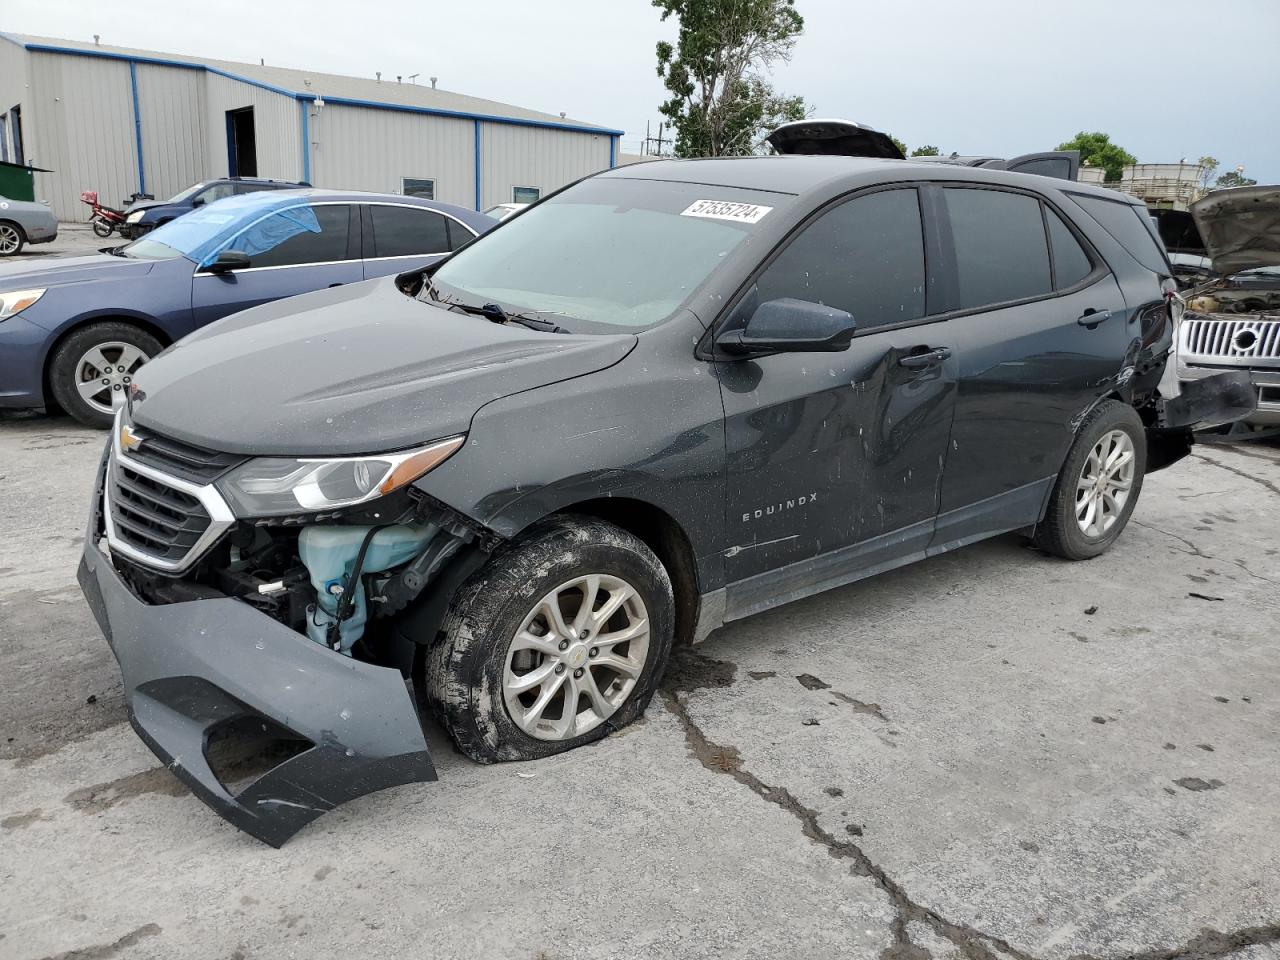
<point x="1167" y="79"/>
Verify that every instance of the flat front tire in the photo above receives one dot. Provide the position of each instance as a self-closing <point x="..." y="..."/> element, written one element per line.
<point x="1098" y="486"/>
<point x="561" y="638"/>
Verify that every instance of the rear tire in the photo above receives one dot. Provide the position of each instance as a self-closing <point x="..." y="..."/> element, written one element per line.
<point x="94" y="355"/>
<point x="1098" y="486"/>
<point x="12" y="239"/>
<point x="102" y="228"/>
<point x="501" y="676"/>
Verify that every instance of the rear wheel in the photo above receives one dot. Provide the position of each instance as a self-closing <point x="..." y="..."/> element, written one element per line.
<point x="558" y="640"/>
<point x="1098" y="486"/>
<point x="91" y="369"/>
<point x="11" y="239"/>
<point x="102" y="227"/>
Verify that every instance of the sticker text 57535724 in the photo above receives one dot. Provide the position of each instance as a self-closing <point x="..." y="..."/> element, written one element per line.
<point x="726" y="210"/>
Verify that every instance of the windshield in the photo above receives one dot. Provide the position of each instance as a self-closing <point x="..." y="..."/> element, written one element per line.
<point x="206" y="231"/>
<point x="609" y="251"/>
<point x="186" y="194"/>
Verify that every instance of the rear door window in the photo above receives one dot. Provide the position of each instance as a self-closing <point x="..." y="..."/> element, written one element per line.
<point x="1070" y="263"/>
<point x="298" y="235"/>
<point x="1000" y="246"/>
<point x="1130" y="227"/>
<point x="865" y="256"/>
<point x="407" y="231"/>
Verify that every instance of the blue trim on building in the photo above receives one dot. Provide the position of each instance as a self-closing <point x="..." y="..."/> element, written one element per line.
<point x="137" y="127"/>
<point x="306" y="140"/>
<point x="613" y="152"/>
<point x="478" y="168"/>
<point x="311" y="94"/>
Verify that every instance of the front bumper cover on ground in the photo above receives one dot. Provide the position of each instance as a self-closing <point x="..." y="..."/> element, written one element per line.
<point x="191" y="668"/>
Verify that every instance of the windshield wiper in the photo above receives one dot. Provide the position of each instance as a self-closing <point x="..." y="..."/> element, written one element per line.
<point x="495" y="313"/>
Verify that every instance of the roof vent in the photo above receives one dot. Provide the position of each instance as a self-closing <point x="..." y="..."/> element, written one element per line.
<point x="379" y="76"/>
<point x="96" y="38"/>
<point x="433" y="82"/>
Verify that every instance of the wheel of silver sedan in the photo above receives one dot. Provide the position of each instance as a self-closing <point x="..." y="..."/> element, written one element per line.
<point x="105" y="370"/>
<point x="576" y="657"/>
<point x="10" y="240"/>
<point x="1105" y="482"/>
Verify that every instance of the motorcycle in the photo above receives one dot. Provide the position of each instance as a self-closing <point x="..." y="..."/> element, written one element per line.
<point x="104" y="220"/>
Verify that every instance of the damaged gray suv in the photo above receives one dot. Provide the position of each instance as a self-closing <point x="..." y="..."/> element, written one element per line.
<point x="668" y="397"/>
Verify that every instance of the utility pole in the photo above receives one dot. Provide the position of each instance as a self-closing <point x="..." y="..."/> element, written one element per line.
<point x="659" y="142"/>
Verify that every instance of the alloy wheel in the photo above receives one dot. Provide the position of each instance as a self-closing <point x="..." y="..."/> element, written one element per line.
<point x="1106" y="480"/>
<point x="576" y="657"/>
<point x="105" y="372"/>
<point x="10" y="240"/>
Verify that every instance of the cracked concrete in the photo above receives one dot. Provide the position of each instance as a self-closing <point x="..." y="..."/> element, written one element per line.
<point x="956" y="799"/>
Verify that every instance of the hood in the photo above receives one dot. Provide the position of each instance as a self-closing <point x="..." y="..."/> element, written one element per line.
<point x="61" y="270"/>
<point x="351" y="370"/>
<point x="145" y="205"/>
<point x="842" y="138"/>
<point x="1240" y="227"/>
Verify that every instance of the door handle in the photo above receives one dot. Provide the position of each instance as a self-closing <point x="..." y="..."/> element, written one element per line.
<point x="930" y="358"/>
<point x="1091" y="317"/>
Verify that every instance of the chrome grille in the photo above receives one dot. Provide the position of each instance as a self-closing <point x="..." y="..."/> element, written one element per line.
<point x="1243" y="342"/>
<point x="153" y="518"/>
<point x="182" y="460"/>
<point x="158" y="519"/>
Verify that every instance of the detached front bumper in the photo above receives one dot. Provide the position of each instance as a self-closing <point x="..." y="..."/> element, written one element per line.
<point x="191" y="669"/>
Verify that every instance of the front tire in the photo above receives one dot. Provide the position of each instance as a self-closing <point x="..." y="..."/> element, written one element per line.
<point x="102" y="228"/>
<point x="1098" y="486"/>
<point x="11" y="239"/>
<point x="559" y="639"/>
<point x="95" y="365"/>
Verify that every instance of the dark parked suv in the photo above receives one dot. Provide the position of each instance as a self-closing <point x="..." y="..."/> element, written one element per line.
<point x="670" y="396"/>
<point x="143" y="216"/>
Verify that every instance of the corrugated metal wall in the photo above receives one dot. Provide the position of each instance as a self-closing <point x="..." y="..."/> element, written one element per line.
<point x="357" y="148"/>
<point x="82" y="118"/>
<point x="514" y="156"/>
<point x="276" y="122"/>
<point x="171" y="104"/>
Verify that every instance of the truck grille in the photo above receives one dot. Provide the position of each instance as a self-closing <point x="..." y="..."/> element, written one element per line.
<point x="158" y="520"/>
<point x="1244" y="342"/>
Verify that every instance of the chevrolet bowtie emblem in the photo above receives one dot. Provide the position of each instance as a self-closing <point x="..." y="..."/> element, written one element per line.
<point x="128" y="439"/>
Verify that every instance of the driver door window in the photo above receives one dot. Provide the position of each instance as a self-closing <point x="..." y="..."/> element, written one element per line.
<point x="210" y="194"/>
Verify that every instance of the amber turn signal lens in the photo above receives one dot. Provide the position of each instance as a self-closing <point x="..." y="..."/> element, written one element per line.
<point x="415" y="466"/>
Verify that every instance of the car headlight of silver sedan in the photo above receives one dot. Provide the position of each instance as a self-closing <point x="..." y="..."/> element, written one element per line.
<point x="15" y="301"/>
<point x="276" y="486"/>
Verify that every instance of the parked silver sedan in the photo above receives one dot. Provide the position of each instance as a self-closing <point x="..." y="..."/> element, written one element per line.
<point x="23" y="222"/>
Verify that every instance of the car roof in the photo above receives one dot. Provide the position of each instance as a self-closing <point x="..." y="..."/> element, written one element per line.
<point x="801" y="175"/>
<point x="275" y="197"/>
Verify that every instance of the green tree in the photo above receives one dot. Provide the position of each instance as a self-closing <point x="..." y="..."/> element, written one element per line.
<point x="1097" y="150"/>
<point x="899" y="144"/>
<point x="928" y="150"/>
<point x="721" y="103"/>
<point x="1235" y="178"/>
<point x="1210" y="165"/>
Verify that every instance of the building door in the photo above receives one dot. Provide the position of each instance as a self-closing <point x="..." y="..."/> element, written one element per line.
<point x="242" y="147"/>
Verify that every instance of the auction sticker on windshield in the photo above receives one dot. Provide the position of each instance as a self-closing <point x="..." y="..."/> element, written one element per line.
<point x="726" y="210"/>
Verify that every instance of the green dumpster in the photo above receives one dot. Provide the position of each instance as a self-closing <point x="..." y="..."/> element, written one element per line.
<point x="18" y="182"/>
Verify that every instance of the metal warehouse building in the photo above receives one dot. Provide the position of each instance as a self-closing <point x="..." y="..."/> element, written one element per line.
<point x="118" y="121"/>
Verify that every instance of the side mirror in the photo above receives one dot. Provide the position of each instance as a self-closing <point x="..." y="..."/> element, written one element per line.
<point x="229" y="260"/>
<point x="197" y="201"/>
<point x="790" y="326"/>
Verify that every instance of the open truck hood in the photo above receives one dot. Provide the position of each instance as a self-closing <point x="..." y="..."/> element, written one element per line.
<point x="1240" y="227"/>
<point x="356" y="369"/>
<point x="841" y="138"/>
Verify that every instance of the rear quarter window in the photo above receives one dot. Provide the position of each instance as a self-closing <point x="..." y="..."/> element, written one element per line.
<point x="1130" y="228"/>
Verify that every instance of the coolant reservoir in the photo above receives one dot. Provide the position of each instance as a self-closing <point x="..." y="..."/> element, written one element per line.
<point x="329" y="554"/>
<point x="1202" y="304"/>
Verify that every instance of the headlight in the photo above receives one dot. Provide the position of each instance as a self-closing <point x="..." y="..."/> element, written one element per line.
<point x="134" y="217"/>
<point x="11" y="304"/>
<point x="274" y="486"/>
